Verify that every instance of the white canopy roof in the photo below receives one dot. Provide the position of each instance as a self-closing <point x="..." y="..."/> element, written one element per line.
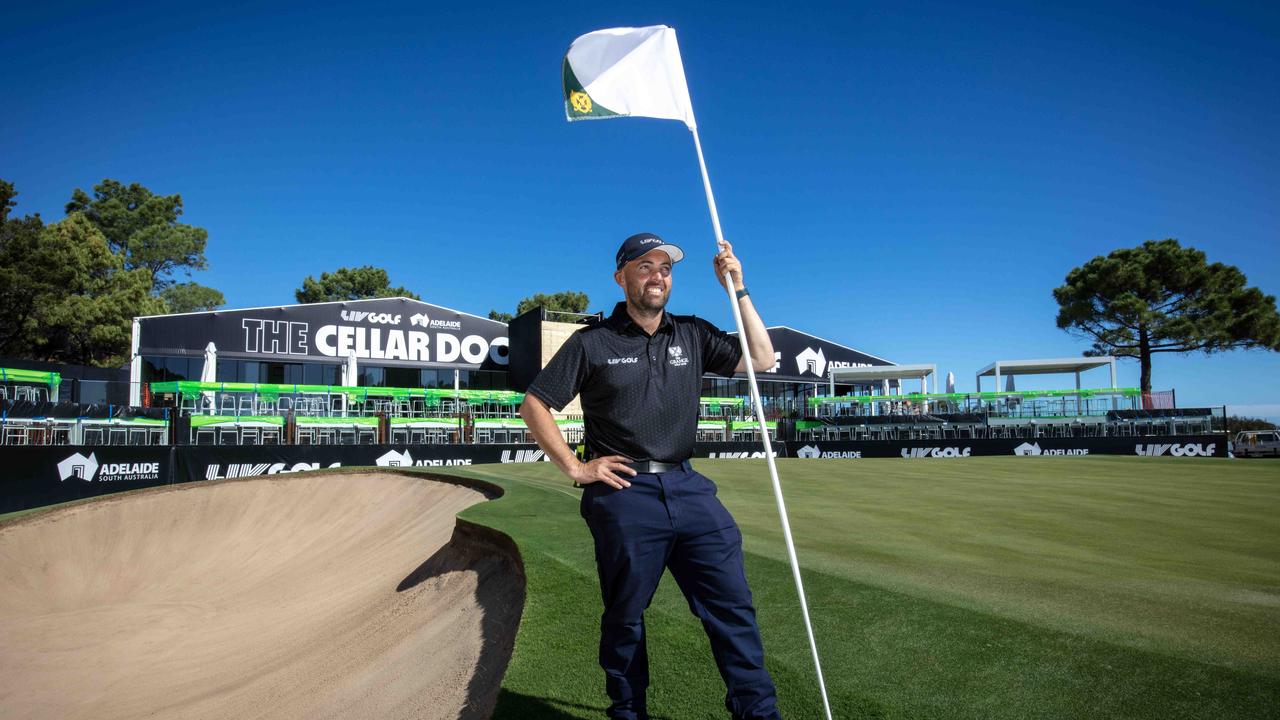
<point x="876" y="373"/>
<point x="1050" y="366"/>
<point x="882" y="372"/>
<point x="1045" y="367"/>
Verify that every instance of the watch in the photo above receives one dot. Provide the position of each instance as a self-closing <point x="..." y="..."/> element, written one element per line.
<point x="743" y="292"/>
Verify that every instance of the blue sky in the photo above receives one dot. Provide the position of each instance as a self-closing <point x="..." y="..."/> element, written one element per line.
<point x="910" y="179"/>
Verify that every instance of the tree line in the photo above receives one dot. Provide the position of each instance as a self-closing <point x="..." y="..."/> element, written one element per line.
<point x="69" y="290"/>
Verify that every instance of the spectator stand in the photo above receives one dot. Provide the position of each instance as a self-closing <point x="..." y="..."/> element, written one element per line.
<point x="572" y="430"/>
<point x="716" y="416"/>
<point x="29" y="385"/>
<point x="426" y="430"/>
<point x="1051" y="366"/>
<point x="255" y="413"/>
<point x="749" y="430"/>
<point x="46" y="423"/>
<point x="1079" y="412"/>
<point x="236" y="429"/>
<point x="352" y="430"/>
<point x="886" y="404"/>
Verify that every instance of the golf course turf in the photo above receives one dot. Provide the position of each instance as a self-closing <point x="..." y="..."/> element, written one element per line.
<point x="971" y="588"/>
<point x="1019" y="587"/>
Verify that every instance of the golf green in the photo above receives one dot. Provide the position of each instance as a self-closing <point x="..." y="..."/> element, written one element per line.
<point x="967" y="588"/>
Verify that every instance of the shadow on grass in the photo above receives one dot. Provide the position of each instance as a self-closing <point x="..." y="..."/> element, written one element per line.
<point x="500" y="593"/>
<point x="515" y="706"/>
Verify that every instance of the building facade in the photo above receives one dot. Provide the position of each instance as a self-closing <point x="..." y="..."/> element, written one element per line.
<point x="400" y="342"/>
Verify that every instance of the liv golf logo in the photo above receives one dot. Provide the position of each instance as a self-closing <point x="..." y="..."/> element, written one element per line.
<point x="1176" y="449"/>
<point x="937" y="452"/>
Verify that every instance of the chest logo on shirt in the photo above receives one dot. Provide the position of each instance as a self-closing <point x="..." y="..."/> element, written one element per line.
<point x="623" y="361"/>
<point x="676" y="356"/>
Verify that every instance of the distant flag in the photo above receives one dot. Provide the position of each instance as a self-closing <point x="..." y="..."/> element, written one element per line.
<point x="621" y="72"/>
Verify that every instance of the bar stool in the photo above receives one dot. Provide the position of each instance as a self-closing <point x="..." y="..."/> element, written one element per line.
<point x="15" y="433"/>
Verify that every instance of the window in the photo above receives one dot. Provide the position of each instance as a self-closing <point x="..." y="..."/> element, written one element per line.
<point x="438" y="379"/>
<point x="320" y="374"/>
<point x="372" y="376"/>
<point x="167" y="369"/>
<point x="402" y="377"/>
<point x="482" y="380"/>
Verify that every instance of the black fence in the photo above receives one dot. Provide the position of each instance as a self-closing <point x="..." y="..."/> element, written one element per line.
<point x="36" y="476"/>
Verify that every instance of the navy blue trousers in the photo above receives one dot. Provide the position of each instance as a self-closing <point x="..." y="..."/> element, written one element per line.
<point x="674" y="520"/>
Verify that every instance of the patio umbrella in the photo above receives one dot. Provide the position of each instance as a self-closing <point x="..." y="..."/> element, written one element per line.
<point x="350" y="371"/>
<point x="350" y="377"/>
<point x="1008" y="384"/>
<point x="951" y="382"/>
<point x="209" y="372"/>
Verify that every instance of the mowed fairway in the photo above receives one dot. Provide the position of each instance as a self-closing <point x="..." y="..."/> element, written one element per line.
<point x="959" y="588"/>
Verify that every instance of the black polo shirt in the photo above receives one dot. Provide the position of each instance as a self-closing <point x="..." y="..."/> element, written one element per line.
<point x="639" y="392"/>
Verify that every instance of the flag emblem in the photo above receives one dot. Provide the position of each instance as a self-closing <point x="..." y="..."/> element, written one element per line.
<point x="621" y="72"/>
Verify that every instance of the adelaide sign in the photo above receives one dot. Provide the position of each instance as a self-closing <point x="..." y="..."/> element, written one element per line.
<point x="392" y="331"/>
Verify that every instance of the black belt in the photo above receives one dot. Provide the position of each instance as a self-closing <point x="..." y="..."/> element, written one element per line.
<point x="653" y="466"/>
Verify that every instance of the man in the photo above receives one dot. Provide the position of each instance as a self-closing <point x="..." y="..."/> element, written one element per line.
<point x="639" y="373"/>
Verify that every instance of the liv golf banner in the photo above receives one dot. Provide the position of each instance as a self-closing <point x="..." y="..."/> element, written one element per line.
<point x="1178" y="446"/>
<point x="37" y="476"/>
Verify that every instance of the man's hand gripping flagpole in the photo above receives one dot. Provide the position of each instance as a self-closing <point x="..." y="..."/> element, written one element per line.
<point x="637" y="72"/>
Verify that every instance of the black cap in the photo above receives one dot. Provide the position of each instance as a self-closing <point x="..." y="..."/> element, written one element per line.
<point x="642" y="243"/>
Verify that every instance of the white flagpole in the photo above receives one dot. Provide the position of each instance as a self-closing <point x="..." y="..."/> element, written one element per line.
<point x="764" y="430"/>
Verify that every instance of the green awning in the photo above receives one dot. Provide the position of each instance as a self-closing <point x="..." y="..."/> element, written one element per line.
<point x="17" y="375"/>
<point x="753" y="425"/>
<point x="452" y="423"/>
<point x="309" y="420"/>
<point x="516" y="423"/>
<point x="432" y="396"/>
<point x="957" y="397"/>
<point x="198" y="421"/>
<point x="717" y="402"/>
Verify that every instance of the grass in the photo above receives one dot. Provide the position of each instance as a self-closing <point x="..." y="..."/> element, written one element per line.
<point x="1095" y="587"/>
<point x="976" y="588"/>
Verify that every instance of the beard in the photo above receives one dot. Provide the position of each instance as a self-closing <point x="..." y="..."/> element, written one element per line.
<point x="651" y="304"/>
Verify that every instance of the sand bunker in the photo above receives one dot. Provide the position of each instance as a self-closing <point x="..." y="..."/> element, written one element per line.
<point x="303" y="596"/>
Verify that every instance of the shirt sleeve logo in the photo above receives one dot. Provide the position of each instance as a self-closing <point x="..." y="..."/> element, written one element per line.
<point x="676" y="356"/>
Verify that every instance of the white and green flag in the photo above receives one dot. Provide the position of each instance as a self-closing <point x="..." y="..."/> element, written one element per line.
<point x="626" y="72"/>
